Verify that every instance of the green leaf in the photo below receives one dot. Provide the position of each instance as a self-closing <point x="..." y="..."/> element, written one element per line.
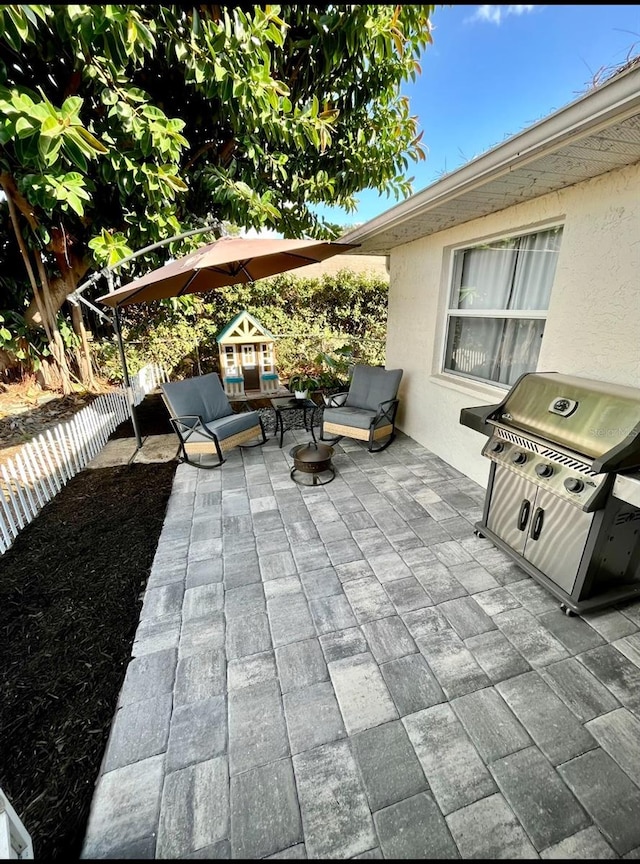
<point x="75" y="203"/>
<point x="71" y="106"/>
<point x="23" y="127"/>
<point x="51" y="127"/>
<point x="91" y="140"/>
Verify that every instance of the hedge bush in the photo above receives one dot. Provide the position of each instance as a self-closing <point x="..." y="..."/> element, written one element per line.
<point x="307" y="316"/>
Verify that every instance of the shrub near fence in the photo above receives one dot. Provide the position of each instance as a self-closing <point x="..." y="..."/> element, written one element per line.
<point x="44" y="465"/>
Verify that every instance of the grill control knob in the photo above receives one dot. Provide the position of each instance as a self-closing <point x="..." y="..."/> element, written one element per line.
<point x="496" y="447"/>
<point x="519" y="458"/>
<point x="573" y="484"/>
<point x="544" y="470"/>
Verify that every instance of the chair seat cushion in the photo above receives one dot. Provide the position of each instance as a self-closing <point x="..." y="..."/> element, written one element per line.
<point x="225" y="427"/>
<point x="346" y="416"/>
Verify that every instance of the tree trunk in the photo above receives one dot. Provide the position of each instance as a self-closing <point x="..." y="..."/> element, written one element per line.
<point x="50" y="295"/>
<point x="84" y="354"/>
<point x="56" y="345"/>
<point x="48" y="320"/>
<point x="72" y="269"/>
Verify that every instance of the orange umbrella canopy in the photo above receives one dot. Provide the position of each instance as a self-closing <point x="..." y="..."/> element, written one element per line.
<point x="228" y="261"/>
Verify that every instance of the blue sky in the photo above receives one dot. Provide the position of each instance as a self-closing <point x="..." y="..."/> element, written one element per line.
<point x="492" y="71"/>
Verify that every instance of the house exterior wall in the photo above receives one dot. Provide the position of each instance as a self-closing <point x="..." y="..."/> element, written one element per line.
<point x="593" y="323"/>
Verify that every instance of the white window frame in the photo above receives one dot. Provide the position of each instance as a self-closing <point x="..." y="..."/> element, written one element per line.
<point x="248" y="353"/>
<point x="267" y="357"/>
<point x="453" y="312"/>
<point x="229" y="358"/>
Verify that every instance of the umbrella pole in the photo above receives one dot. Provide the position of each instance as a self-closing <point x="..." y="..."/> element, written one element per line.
<point x="127" y="381"/>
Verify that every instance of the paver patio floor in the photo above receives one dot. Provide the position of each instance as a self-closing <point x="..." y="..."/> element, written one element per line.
<point x="347" y="671"/>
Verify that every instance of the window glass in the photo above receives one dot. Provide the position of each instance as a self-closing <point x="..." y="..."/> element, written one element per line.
<point x="494" y="349"/>
<point x="499" y="298"/>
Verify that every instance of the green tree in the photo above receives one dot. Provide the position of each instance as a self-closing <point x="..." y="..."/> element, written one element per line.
<point x="121" y="125"/>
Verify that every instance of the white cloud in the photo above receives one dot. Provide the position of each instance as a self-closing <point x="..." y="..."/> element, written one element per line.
<point x="495" y="14"/>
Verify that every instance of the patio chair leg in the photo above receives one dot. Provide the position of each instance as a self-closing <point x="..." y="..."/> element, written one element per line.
<point x="384" y="446"/>
<point x="330" y="440"/>
<point x="200" y="465"/>
<point x="184" y="457"/>
<point x="258" y="443"/>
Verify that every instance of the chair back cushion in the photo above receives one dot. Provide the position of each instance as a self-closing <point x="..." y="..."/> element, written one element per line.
<point x="202" y="395"/>
<point x="371" y="385"/>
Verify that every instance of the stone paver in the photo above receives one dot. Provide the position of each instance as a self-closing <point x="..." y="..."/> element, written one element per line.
<point x="539" y="798"/>
<point x="194" y="812"/>
<point x="411" y="683"/>
<point x="140" y="729"/>
<point x="414" y="828"/>
<point x="490" y="724"/>
<point x="388" y="765"/>
<point x="198" y="733"/>
<point x="490" y="830"/>
<point x="300" y="664"/>
<point x="455" y="772"/>
<point x="335" y="815"/>
<point x="589" y="844"/>
<point x="347" y="671"/>
<point x="257" y="732"/>
<point x="553" y="727"/>
<point x="361" y="692"/>
<point x="608" y="795"/>
<point x="265" y="816"/>
<point x="618" y="732"/>
<point x="313" y="717"/>
<point x="125" y="808"/>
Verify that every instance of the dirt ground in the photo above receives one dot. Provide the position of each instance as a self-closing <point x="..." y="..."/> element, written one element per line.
<point x="71" y="590"/>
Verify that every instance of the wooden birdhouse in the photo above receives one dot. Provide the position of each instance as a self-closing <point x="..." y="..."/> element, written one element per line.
<point x="247" y="357"/>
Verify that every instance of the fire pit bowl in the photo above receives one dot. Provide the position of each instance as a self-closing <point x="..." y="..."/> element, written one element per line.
<point x="312" y="460"/>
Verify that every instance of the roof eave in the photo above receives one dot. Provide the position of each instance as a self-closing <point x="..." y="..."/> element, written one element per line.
<point x="613" y="101"/>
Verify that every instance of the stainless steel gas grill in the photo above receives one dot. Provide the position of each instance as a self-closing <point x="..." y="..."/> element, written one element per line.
<point x="563" y="498"/>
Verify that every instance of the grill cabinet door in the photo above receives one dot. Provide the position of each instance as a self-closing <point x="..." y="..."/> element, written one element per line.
<point x="562" y="531"/>
<point x="511" y="507"/>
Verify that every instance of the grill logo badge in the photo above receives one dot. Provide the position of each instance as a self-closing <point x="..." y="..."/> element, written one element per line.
<point x="563" y="406"/>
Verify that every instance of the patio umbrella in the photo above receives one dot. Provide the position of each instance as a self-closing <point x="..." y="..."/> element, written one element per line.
<point x="228" y="261"/>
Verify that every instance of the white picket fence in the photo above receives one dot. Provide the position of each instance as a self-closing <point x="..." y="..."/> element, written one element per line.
<point x="15" y="840"/>
<point x="41" y="467"/>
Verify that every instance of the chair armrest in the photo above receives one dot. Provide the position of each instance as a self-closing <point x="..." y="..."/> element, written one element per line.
<point x="330" y="399"/>
<point x="184" y="430"/>
<point x="386" y="411"/>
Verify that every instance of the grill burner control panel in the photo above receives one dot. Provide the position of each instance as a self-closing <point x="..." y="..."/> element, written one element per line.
<point x="564" y="476"/>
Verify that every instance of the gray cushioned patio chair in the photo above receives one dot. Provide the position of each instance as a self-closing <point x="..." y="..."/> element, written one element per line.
<point x="369" y="411"/>
<point x="204" y="421"/>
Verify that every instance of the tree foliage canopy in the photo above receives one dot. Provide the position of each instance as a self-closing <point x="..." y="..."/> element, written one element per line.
<point x="124" y="124"/>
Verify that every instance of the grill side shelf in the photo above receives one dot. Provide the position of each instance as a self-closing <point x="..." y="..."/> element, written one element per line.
<point x="476" y="418"/>
<point x="623" y="456"/>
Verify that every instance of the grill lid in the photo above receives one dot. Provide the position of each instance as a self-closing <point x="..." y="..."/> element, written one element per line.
<point x="593" y="418"/>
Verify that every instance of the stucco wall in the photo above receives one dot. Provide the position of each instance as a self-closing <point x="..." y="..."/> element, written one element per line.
<point x="593" y="325"/>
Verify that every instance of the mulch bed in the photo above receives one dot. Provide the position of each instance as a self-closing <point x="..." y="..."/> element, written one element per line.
<point x="71" y="590"/>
